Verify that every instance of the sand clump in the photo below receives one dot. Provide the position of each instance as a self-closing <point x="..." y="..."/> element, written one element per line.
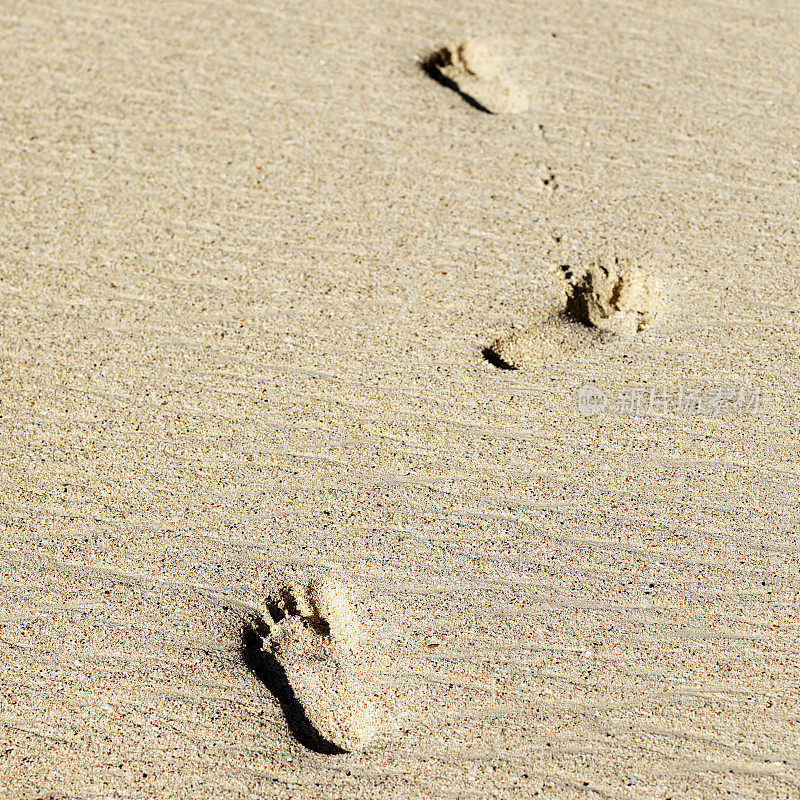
<point x="611" y="296"/>
<point x="606" y="297"/>
<point x="308" y="652"/>
<point x="472" y="69"/>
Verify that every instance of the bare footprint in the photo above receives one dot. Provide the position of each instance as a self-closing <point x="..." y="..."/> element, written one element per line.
<point x="612" y="296"/>
<point x="473" y="71"/>
<point x="552" y="340"/>
<point x="604" y="297"/>
<point x="307" y="652"/>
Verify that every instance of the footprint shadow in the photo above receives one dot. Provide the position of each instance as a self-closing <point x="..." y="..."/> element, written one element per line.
<point x="269" y="671"/>
<point x="495" y="360"/>
<point x="430" y="66"/>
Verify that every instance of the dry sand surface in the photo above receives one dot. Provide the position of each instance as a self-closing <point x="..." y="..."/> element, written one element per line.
<point x="258" y="476"/>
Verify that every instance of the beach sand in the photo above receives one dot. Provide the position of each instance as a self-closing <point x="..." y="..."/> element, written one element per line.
<point x="251" y="257"/>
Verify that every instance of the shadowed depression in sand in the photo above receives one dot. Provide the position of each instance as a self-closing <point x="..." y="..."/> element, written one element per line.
<point x="604" y="296"/>
<point x="307" y="652"/>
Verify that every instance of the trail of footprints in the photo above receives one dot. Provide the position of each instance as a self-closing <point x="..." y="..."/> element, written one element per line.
<point x="306" y="648"/>
<point x="603" y="297"/>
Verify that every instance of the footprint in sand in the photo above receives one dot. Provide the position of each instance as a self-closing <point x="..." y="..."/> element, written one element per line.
<point x="473" y="71"/>
<point x="306" y="651"/>
<point x="612" y="296"/>
<point x="604" y="297"/>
